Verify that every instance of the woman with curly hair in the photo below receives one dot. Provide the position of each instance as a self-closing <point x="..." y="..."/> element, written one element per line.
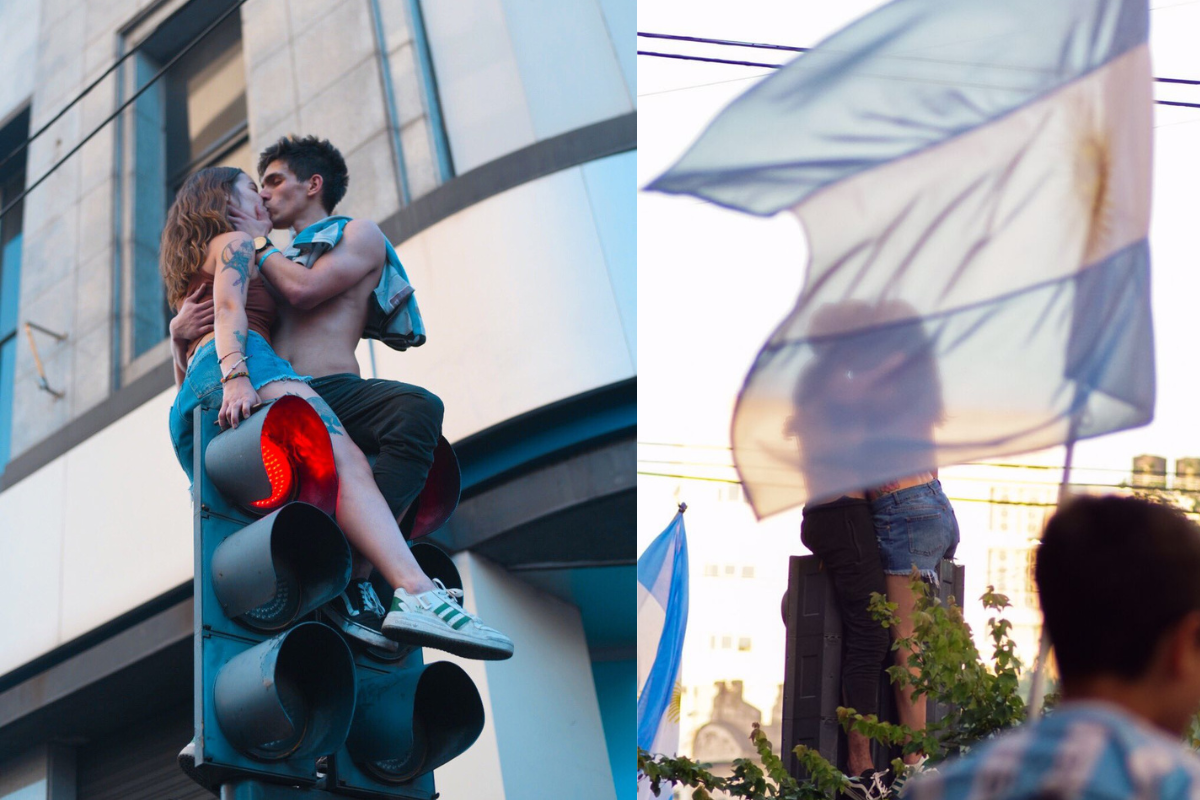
<point x="235" y="369"/>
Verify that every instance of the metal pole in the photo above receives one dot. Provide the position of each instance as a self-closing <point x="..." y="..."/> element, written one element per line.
<point x="1037" y="686"/>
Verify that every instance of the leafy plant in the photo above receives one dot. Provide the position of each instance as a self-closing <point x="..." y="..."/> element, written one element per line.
<point x="983" y="700"/>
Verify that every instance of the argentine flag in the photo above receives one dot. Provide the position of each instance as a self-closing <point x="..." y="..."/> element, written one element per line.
<point x="662" y="608"/>
<point x="973" y="178"/>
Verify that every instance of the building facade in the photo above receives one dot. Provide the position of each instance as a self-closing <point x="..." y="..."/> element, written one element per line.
<point x="494" y="142"/>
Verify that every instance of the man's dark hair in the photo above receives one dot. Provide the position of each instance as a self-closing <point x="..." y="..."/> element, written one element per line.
<point x="1114" y="574"/>
<point x="307" y="157"/>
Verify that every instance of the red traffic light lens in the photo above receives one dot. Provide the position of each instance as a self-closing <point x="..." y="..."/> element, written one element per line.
<point x="279" y="454"/>
<point x="280" y="473"/>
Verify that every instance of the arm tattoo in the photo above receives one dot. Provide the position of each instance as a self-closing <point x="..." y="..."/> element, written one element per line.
<point x="236" y="256"/>
<point x="241" y="340"/>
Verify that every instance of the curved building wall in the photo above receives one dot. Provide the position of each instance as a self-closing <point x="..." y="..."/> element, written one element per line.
<point x="494" y="142"/>
<point x="515" y="72"/>
<point x="529" y="297"/>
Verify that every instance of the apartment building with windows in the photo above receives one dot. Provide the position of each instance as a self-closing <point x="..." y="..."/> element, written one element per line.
<point x="494" y="142"/>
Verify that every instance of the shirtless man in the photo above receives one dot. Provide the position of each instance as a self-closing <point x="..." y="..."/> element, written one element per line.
<point x="322" y="310"/>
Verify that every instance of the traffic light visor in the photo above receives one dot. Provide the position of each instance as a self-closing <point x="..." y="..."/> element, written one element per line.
<point x="281" y="567"/>
<point x="278" y="454"/>
<point x="410" y="724"/>
<point x="288" y="697"/>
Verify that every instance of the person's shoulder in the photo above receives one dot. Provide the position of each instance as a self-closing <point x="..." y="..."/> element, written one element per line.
<point x="224" y="245"/>
<point x="1101" y="751"/>
<point x="363" y="231"/>
<point x="1000" y="759"/>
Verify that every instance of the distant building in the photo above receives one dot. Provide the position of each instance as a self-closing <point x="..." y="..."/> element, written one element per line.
<point x="1187" y="474"/>
<point x="726" y="735"/>
<point x="1149" y="472"/>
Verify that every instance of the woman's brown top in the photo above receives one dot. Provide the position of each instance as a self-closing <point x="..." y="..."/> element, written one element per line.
<point x="260" y="306"/>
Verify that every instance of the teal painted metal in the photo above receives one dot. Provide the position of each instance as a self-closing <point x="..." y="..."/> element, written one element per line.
<point x="410" y="717"/>
<point x="550" y="431"/>
<point x="267" y="703"/>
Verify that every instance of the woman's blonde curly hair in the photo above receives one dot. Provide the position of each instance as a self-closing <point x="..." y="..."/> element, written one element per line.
<point x="198" y="214"/>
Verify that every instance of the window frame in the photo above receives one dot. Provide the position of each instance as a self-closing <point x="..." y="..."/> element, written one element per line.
<point x="15" y="130"/>
<point x="129" y="366"/>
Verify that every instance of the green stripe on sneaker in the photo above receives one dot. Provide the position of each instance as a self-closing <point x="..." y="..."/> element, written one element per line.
<point x="457" y="625"/>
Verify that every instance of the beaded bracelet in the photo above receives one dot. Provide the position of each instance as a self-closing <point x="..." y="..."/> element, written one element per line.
<point x="233" y="375"/>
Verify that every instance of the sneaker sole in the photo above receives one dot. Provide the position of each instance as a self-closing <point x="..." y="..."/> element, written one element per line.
<point x="361" y="633"/>
<point x="424" y="634"/>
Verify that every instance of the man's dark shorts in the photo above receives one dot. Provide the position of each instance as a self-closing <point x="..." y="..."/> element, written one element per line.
<point x="395" y="422"/>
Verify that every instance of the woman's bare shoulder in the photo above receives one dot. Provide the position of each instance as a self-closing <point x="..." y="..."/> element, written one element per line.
<point x="223" y="246"/>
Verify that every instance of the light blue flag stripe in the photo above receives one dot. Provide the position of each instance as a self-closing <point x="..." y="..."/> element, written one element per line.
<point x="910" y="76"/>
<point x="663" y="571"/>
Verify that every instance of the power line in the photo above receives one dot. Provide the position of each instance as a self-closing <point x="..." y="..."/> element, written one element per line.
<point x="21" y="148"/>
<point x="764" y="46"/>
<point x="122" y="107"/>
<point x="709" y="60"/>
<point x="989" y="501"/>
<point x="759" y="45"/>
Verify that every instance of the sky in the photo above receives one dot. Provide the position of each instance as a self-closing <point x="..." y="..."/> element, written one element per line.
<point x="713" y="283"/>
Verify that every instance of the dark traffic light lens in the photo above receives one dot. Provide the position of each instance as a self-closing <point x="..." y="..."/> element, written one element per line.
<point x="399" y="770"/>
<point x="283" y="608"/>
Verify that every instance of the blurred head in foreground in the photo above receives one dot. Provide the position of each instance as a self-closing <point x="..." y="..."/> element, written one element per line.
<point x="1119" y="580"/>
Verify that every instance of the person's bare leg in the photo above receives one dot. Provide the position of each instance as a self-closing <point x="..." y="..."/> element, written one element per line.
<point x="362" y="568"/>
<point x="859" y="755"/>
<point x="362" y="513"/>
<point x="899" y="591"/>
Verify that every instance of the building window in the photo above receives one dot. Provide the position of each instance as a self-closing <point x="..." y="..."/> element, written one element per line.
<point x="748" y="571"/>
<point x="710" y="570"/>
<point x="12" y="183"/>
<point x="726" y="642"/>
<point x="730" y="570"/>
<point x="193" y="117"/>
<point x="744" y="644"/>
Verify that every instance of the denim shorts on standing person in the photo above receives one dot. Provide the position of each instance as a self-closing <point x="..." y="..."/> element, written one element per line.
<point x="916" y="527"/>
<point x="202" y="388"/>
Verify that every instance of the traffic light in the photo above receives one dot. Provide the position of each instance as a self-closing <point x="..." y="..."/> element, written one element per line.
<point x="273" y="690"/>
<point x="275" y="687"/>
<point x="410" y="718"/>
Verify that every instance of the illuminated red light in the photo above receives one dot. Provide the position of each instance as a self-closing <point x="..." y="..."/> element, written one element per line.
<point x="281" y="475"/>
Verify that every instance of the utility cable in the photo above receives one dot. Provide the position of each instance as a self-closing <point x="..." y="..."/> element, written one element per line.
<point x="762" y="46"/>
<point x="732" y="62"/>
<point x="9" y="207"/>
<point x="21" y="148"/>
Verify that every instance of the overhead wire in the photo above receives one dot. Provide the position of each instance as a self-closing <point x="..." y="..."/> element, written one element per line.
<point x="765" y="46"/>
<point x="12" y="204"/>
<point x="988" y="500"/>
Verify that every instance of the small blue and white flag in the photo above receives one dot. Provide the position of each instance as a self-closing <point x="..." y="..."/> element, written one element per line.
<point x="973" y="178"/>
<point x="662" y="609"/>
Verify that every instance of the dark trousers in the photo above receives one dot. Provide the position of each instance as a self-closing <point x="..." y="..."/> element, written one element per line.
<point x="396" y="422"/>
<point x="842" y="534"/>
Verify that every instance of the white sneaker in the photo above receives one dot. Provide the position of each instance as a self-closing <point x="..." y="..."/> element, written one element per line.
<point x="435" y="619"/>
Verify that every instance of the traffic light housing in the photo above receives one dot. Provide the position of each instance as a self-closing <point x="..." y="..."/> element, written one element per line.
<point x="410" y="717"/>
<point x="275" y="688"/>
<point x="273" y="691"/>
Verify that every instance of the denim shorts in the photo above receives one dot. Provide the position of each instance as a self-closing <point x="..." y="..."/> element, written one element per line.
<point x="202" y="388"/>
<point x="915" y="527"/>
